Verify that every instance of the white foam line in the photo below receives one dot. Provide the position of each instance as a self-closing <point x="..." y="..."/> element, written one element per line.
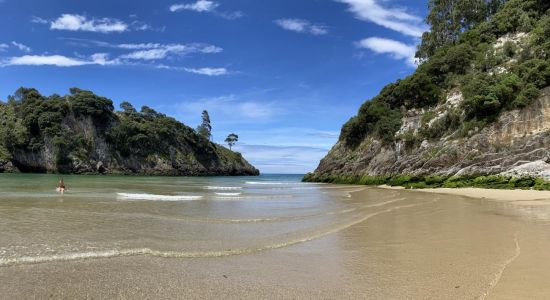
<point x="175" y="254"/>
<point x="223" y="188"/>
<point x="228" y="194"/>
<point x="277" y="183"/>
<point x="227" y="198"/>
<point x="152" y="197"/>
<point x="506" y="263"/>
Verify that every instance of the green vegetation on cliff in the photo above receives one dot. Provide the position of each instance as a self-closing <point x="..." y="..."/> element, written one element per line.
<point x="82" y="133"/>
<point x="423" y="182"/>
<point x="474" y="113"/>
<point x="462" y="51"/>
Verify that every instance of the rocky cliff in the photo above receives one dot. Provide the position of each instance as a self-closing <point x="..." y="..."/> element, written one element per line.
<point x="82" y="134"/>
<point x="477" y="105"/>
<point x="517" y="143"/>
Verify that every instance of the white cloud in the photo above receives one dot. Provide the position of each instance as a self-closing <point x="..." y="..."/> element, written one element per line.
<point x="57" y="60"/>
<point x="152" y="54"/>
<point x="103" y="59"/>
<point x="21" y="47"/>
<point x="39" y="20"/>
<point x="207" y="7"/>
<point x="199" y="6"/>
<point x="233" y="15"/>
<point x="140" y="26"/>
<point x="45" y="60"/>
<point x="208" y="71"/>
<point x="153" y="51"/>
<point x="73" y="22"/>
<point x="149" y="53"/>
<point x="200" y="71"/>
<point x="396" y="49"/>
<point x="392" y="18"/>
<point x="302" y="26"/>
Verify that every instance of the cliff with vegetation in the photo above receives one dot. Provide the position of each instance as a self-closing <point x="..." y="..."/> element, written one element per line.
<point x="475" y="112"/>
<point x="81" y="133"/>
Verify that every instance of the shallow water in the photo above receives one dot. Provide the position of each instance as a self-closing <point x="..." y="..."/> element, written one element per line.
<point x="263" y="237"/>
<point x="162" y="216"/>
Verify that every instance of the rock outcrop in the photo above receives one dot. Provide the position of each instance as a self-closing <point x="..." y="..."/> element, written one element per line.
<point x="81" y="133"/>
<point x="518" y="143"/>
<point x="185" y="159"/>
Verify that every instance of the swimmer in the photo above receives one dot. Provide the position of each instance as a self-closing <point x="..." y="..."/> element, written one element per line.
<point x="61" y="186"/>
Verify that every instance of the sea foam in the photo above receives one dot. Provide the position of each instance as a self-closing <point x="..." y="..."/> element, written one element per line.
<point x="152" y="197"/>
<point x="223" y="188"/>
<point x="228" y="194"/>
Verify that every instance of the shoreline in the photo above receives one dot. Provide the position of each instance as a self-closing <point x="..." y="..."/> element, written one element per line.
<point x="342" y="249"/>
<point x="516" y="196"/>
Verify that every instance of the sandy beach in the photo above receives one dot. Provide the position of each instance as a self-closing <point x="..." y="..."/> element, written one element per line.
<point x="374" y="244"/>
<point x="519" y="197"/>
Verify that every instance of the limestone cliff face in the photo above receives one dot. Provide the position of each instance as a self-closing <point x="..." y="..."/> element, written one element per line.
<point x="187" y="158"/>
<point x="517" y="143"/>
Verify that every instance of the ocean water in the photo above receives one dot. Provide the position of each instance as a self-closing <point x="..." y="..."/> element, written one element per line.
<point x="102" y="216"/>
<point x="263" y="237"/>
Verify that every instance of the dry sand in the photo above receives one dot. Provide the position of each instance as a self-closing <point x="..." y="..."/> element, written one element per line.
<point x="521" y="197"/>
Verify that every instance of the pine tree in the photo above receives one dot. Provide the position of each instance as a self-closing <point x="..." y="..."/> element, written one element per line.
<point x="205" y="129"/>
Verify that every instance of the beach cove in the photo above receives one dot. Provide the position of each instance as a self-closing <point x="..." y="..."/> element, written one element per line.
<point x="266" y="237"/>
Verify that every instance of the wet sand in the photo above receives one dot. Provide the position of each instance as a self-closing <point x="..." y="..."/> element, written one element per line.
<point x="422" y="246"/>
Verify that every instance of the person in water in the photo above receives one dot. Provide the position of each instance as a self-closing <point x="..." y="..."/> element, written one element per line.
<point x="61" y="186"/>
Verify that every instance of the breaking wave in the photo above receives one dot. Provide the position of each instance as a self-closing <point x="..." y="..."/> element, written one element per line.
<point x="228" y="194"/>
<point x="223" y="188"/>
<point x="152" y="197"/>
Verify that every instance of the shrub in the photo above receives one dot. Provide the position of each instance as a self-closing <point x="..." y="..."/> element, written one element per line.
<point x="509" y="49"/>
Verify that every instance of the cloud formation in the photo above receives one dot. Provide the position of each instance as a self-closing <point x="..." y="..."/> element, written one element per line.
<point x="395" y="49"/>
<point x="176" y="48"/>
<point x="392" y="18"/>
<point x="199" y="6"/>
<point x="21" y="47"/>
<point x="301" y="26"/>
<point x="73" y="22"/>
<point x="38" y="20"/>
<point x="56" y="60"/>
<point x="103" y="59"/>
<point x="206" y="6"/>
<point x="208" y="71"/>
<point x="160" y="51"/>
<point x="144" y="54"/>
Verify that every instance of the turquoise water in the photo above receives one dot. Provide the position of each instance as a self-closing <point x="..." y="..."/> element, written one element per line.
<point x="102" y="216"/>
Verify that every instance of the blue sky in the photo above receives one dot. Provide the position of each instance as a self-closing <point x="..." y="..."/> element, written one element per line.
<point x="284" y="75"/>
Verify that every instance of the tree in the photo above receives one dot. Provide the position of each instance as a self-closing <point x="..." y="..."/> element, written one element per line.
<point x="205" y="129"/>
<point x="449" y="18"/>
<point x="231" y="140"/>
<point x="127" y="108"/>
<point x="150" y="113"/>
